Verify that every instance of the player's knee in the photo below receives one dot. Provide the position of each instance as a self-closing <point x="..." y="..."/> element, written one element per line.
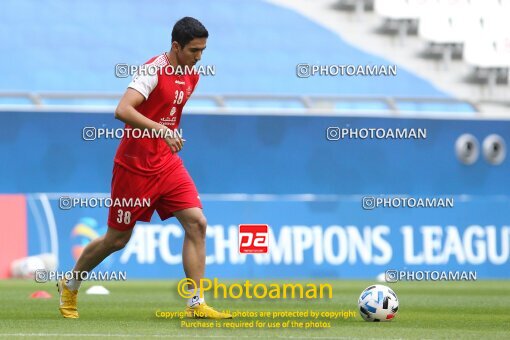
<point x="197" y="227"/>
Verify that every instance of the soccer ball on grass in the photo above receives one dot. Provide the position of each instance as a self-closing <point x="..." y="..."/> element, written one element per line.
<point x="378" y="303"/>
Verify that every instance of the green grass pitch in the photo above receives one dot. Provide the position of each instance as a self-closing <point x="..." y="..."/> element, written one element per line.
<point x="431" y="310"/>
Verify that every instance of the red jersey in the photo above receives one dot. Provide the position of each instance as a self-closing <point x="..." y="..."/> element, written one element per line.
<point x="165" y="94"/>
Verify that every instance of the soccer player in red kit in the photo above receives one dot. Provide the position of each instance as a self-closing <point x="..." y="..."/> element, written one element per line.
<point x="150" y="167"/>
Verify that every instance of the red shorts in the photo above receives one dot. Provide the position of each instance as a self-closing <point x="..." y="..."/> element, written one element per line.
<point x="169" y="191"/>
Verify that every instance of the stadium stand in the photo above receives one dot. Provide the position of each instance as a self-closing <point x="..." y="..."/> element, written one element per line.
<point x="60" y="58"/>
<point x="430" y="37"/>
<point x="450" y="25"/>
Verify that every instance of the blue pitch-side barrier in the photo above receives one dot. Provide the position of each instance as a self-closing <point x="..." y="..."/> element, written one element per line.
<point x="325" y="234"/>
<point x="323" y="238"/>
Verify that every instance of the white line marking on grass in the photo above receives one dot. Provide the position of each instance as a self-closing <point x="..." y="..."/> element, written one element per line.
<point x="159" y="335"/>
<point x="124" y="335"/>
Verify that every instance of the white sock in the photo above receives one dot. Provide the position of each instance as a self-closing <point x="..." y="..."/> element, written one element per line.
<point x="196" y="299"/>
<point x="73" y="284"/>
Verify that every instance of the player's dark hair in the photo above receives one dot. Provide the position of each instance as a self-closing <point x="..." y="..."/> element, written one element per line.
<point x="187" y="29"/>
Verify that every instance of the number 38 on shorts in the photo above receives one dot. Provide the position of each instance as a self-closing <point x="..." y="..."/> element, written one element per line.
<point x="123" y="216"/>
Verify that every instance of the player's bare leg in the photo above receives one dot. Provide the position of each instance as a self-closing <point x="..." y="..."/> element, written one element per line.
<point x="193" y="258"/>
<point x="93" y="254"/>
<point x="193" y="249"/>
<point x="100" y="248"/>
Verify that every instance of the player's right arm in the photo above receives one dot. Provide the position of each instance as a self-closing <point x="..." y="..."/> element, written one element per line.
<point x="127" y="113"/>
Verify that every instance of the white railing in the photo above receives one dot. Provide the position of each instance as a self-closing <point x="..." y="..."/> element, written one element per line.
<point x="226" y="102"/>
